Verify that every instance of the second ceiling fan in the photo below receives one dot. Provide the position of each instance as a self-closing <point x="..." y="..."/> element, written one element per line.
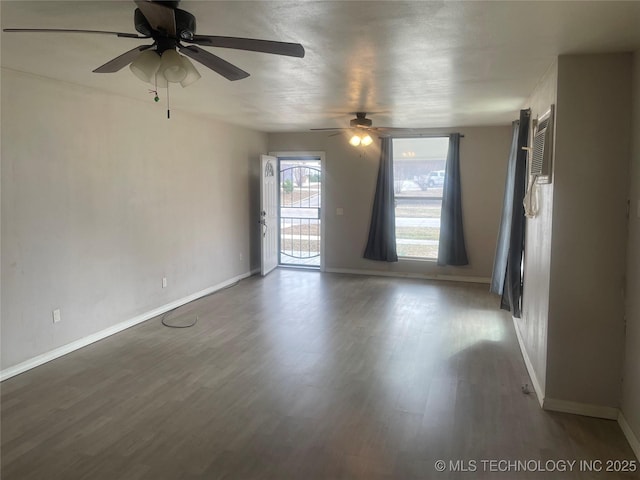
<point x="361" y="126"/>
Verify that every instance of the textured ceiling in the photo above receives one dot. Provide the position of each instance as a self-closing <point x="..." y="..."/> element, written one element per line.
<point x="412" y="64"/>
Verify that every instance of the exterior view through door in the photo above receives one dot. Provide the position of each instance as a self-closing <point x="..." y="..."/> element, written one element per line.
<point x="300" y="211"/>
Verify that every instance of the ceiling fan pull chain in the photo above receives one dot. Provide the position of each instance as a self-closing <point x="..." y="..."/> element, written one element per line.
<point x="156" y="98"/>
<point x="168" y="111"/>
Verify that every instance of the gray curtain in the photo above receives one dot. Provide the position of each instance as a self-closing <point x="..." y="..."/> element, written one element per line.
<point x="451" y="248"/>
<point x="502" y="249"/>
<point x="514" y="225"/>
<point x="381" y="244"/>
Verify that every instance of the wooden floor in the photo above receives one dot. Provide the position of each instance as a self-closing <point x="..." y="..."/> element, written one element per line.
<point x="301" y="375"/>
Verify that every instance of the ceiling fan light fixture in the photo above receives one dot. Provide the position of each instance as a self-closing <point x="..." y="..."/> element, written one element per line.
<point x="192" y="73"/>
<point x="366" y="140"/>
<point x="171" y="66"/>
<point x="146" y="65"/>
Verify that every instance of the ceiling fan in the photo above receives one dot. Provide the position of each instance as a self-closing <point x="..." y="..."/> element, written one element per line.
<point x="360" y="126"/>
<point x="169" y="27"/>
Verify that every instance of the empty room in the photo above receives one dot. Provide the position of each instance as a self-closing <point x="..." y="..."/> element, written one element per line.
<point x="319" y="240"/>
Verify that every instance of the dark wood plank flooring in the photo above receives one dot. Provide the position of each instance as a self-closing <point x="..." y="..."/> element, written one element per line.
<point x="300" y="375"/>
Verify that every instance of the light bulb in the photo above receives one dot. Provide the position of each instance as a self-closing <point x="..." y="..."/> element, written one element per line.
<point x="355" y="140"/>
<point x="367" y="140"/>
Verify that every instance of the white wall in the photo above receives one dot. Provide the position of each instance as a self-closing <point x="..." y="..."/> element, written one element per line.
<point x="631" y="379"/>
<point x="350" y="178"/>
<point x="102" y="197"/>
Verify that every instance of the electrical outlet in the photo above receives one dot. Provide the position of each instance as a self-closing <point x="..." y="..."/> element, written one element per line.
<point x="241" y="256"/>
<point x="164" y="282"/>
<point x="56" y="316"/>
<point x="339" y="211"/>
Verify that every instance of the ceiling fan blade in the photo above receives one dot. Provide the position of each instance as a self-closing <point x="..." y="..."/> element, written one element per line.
<point x="393" y="129"/>
<point x="64" y="30"/>
<point x="159" y="16"/>
<point x="215" y="63"/>
<point x="254" y="45"/>
<point x="121" y="61"/>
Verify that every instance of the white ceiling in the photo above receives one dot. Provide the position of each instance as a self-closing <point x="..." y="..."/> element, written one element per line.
<point x="412" y="64"/>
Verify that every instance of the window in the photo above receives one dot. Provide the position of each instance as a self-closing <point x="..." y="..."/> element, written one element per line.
<point x="418" y="172"/>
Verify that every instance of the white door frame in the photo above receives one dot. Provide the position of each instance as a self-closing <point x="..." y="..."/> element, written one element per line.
<point x="323" y="181"/>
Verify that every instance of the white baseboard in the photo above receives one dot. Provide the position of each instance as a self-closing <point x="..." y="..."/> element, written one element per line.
<point x="83" y="342"/>
<point x="422" y="276"/>
<point x="527" y="361"/>
<point x="578" y="408"/>
<point x="631" y="436"/>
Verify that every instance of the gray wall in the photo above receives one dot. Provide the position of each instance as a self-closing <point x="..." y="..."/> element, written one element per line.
<point x="586" y="306"/>
<point x="102" y="197"/>
<point x="350" y="184"/>
<point x="537" y="260"/>
<point x="573" y="308"/>
<point x="631" y="379"/>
